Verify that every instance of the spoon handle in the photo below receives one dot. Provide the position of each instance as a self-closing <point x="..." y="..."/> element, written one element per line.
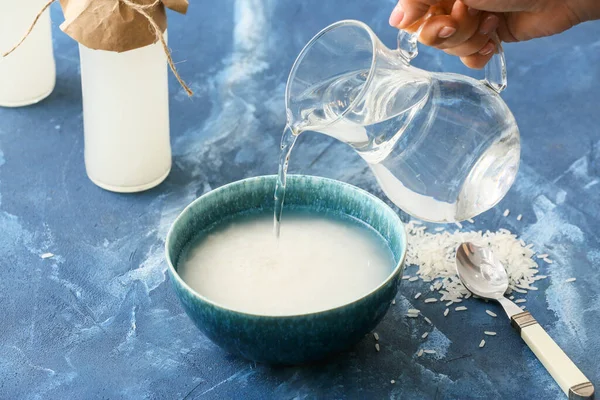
<point x="570" y="379"/>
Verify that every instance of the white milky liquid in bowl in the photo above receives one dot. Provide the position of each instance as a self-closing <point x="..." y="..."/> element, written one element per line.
<point x="319" y="262"/>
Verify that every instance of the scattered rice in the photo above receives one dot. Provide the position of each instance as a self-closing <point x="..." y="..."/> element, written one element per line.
<point x="549" y="261"/>
<point x="448" y="304"/>
<point x="490" y="313"/>
<point x="375" y="335"/>
<point x="511" y="297"/>
<point x="446" y="312"/>
<point x="490" y="333"/>
<point x="392" y="381"/>
<point x="429" y="351"/>
<point x="519" y="217"/>
<point x="520" y="301"/>
<point x="460" y="226"/>
<point x="394" y="302"/>
<point x="428" y="320"/>
<point x="506" y="212"/>
<point x="482" y="343"/>
<point x="431" y="300"/>
<point x="434" y="255"/>
<point x="420" y="353"/>
<point x="413" y="311"/>
<point x="542" y="255"/>
<point x="417" y="295"/>
<point x="471" y="220"/>
<point x="461" y="308"/>
<point x="405" y="277"/>
<point x="46" y="255"/>
<point x="423" y="336"/>
<point x="523" y="307"/>
<point x="571" y="280"/>
<point x="412" y="315"/>
<point x="414" y="278"/>
<point x="439" y="229"/>
<point x="377" y="346"/>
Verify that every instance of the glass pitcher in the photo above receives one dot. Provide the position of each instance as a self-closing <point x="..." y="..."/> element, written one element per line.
<point x="444" y="147"/>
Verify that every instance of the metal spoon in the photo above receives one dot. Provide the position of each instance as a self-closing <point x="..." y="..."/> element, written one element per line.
<point x="486" y="277"/>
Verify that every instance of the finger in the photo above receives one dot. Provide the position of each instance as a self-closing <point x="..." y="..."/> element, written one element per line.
<point x="447" y="31"/>
<point x="489" y="23"/>
<point x="504" y="32"/>
<point x="407" y="12"/>
<point x="477" y="61"/>
<point x="471" y="46"/>
<point x="436" y="30"/>
<point x="468" y="23"/>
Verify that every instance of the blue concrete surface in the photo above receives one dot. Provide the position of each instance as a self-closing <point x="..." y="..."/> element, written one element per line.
<point x="100" y="320"/>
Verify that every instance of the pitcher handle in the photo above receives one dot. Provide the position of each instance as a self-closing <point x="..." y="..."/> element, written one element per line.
<point x="495" y="69"/>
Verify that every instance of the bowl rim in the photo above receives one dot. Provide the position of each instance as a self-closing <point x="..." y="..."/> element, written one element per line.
<point x="174" y="274"/>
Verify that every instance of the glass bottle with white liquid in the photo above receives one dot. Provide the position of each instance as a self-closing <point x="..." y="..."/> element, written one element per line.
<point x="443" y="147"/>
<point x="28" y="74"/>
<point x="126" y="117"/>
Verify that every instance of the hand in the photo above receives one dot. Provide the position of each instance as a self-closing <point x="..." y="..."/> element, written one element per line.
<point x="463" y="27"/>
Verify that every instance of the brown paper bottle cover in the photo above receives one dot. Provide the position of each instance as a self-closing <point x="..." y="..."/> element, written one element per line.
<point x="112" y="25"/>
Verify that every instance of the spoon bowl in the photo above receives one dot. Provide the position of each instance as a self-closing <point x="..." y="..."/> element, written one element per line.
<point x="480" y="271"/>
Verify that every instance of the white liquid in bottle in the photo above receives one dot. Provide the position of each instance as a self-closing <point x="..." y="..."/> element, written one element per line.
<point x="28" y="74"/>
<point x="126" y="117"/>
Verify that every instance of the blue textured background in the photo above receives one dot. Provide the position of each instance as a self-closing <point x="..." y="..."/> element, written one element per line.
<point x="99" y="319"/>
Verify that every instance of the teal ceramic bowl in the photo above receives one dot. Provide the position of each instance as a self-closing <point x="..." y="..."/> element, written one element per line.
<point x="292" y="339"/>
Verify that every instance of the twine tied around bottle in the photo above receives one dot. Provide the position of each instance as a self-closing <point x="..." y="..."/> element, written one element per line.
<point x="141" y="9"/>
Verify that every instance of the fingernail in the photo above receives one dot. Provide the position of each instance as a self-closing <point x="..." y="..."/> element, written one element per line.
<point x="446" y="32"/>
<point x="487" y="49"/>
<point x="473" y="11"/>
<point x="397" y="15"/>
<point x="489" y="25"/>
